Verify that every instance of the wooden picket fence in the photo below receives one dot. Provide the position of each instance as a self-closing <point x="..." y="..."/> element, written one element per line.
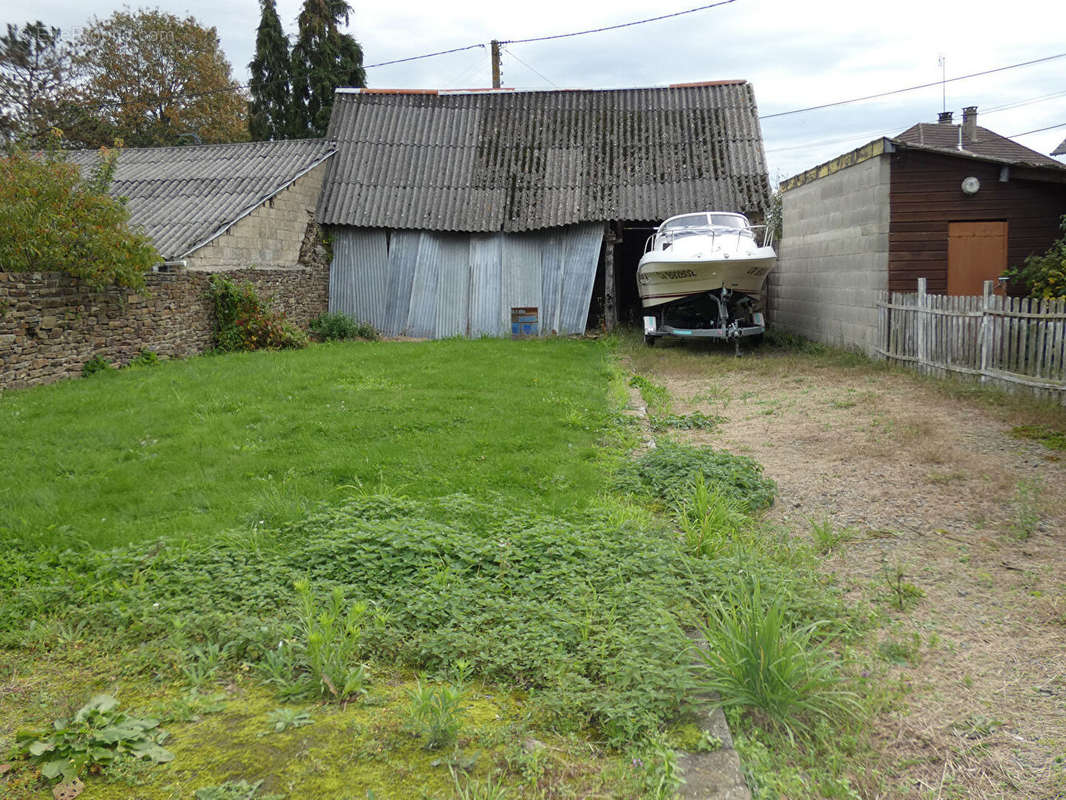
<point x="1012" y="342"/>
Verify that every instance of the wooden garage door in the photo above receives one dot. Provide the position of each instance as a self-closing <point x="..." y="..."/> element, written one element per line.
<point x="977" y="252"/>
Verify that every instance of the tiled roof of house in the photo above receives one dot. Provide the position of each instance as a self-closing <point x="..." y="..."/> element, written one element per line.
<point x="986" y="143"/>
<point x="512" y="161"/>
<point x="183" y="197"/>
<point x="1060" y="150"/>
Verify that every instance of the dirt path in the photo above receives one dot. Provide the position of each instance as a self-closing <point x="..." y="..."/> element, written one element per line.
<point x="935" y="493"/>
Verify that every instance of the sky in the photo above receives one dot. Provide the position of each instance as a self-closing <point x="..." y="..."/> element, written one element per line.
<point x="796" y="55"/>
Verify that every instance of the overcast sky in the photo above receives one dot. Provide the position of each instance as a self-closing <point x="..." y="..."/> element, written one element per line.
<point x="797" y="54"/>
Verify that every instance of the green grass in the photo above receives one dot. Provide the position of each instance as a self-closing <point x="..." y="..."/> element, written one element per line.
<point x="194" y="447"/>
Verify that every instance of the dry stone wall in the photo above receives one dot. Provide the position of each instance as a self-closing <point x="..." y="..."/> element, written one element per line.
<point x="51" y="323"/>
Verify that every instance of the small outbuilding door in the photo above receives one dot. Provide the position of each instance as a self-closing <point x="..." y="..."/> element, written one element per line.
<point x="977" y="252"/>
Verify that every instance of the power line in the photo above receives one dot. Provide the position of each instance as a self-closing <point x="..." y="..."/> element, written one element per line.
<point x="428" y="55"/>
<point x="912" y="88"/>
<point x="1040" y="130"/>
<point x="616" y="27"/>
<point x="863" y="134"/>
<point x="530" y="67"/>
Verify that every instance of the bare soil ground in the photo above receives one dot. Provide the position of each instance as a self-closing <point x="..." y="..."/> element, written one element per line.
<point x="926" y="487"/>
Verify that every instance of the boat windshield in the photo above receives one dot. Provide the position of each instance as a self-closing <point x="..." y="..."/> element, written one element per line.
<point x="728" y="220"/>
<point x="688" y="223"/>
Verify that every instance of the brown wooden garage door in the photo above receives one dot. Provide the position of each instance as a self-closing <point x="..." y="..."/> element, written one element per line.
<point x="977" y="252"/>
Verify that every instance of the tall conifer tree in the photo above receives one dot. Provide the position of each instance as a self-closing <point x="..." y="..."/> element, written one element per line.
<point x="270" y="85"/>
<point x="323" y="58"/>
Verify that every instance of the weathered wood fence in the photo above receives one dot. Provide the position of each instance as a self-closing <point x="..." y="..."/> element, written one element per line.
<point x="1013" y="342"/>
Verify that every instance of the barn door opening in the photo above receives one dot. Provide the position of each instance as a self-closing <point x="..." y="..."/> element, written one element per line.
<point x="977" y="252"/>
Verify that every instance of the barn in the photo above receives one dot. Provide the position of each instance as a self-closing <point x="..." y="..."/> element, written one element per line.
<point x="465" y="213"/>
<point x="954" y="204"/>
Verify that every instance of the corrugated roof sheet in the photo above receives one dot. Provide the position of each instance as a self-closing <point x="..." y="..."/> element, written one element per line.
<point x="989" y="144"/>
<point x="516" y="161"/>
<point x="183" y="197"/>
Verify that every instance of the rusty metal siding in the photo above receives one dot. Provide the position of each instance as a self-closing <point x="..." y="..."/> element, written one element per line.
<point x="519" y="161"/>
<point x="433" y="284"/>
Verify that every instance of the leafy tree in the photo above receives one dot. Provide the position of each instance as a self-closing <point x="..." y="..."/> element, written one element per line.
<point x="269" y="114"/>
<point x="156" y="78"/>
<point x="36" y="80"/>
<point x="323" y="58"/>
<point x="50" y="219"/>
<point x="1043" y="275"/>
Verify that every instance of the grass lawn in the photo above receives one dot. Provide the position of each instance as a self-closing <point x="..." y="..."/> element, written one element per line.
<point x="192" y="448"/>
<point x="385" y="570"/>
<point x="371" y="570"/>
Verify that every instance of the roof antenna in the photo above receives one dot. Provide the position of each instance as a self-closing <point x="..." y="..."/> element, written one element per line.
<point x="942" y="62"/>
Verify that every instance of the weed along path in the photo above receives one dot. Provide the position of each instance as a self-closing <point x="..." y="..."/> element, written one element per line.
<point x="941" y="525"/>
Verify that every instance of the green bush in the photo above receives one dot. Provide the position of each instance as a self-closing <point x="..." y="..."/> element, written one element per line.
<point x="95" y="364"/>
<point x="1044" y="275"/>
<point x="670" y="470"/>
<point x="335" y="326"/>
<point x="51" y="219"/>
<point x="243" y="321"/>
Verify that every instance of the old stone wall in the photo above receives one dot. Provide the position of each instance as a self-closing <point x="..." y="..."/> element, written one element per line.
<point x="51" y="323"/>
<point x="833" y="256"/>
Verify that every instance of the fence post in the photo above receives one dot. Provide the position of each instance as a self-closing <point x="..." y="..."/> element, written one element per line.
<point x="923" y="345"/>
<point x="985" y="333"/>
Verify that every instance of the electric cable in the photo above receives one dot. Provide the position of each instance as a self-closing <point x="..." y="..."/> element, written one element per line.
<point x="912" y="88"/>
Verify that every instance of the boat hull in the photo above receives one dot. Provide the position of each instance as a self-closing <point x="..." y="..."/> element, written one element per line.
<point x="663" y="277"/>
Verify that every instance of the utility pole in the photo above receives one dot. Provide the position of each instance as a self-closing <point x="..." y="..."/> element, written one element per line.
<point x="495" y="64"/>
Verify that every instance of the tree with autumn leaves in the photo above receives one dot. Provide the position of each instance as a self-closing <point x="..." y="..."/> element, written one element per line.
<point x="156" y="79"/>
<point x="145" y="77"/>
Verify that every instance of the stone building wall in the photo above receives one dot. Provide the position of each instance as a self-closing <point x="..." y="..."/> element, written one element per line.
<point x="51" y="324"/>
<point x="272" y="235"/>
<point x="833" y="257"/>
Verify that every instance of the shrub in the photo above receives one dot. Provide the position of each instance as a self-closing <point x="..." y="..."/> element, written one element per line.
<point x="670" y="470"/>
<point x="50" y="219"/>
<point x="335" y="326"/>
<point x="243" y="321"/>
<point x="95" y="364"/>
<point x="1043" y="275"/>
<point x="145" y="358"/>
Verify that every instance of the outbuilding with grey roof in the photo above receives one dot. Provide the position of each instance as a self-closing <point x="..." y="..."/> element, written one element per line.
<point x="450" y="209"/>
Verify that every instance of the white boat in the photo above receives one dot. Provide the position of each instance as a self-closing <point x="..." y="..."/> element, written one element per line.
<point x="702" y="275"/>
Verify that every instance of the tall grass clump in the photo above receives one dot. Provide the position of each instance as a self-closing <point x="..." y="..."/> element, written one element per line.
<point x="710" y="518"/>
<point x="755" y="659"/>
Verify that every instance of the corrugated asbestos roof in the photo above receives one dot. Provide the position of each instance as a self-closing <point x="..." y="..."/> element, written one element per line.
<point x="183" y="197"/>
<point x="989" y="144"/>
<point x="513" y="161"/>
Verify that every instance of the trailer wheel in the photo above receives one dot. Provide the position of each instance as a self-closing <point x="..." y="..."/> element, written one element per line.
<point x="649" y="340"/>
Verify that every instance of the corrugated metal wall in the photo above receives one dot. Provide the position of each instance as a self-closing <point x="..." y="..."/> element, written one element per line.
<point x="433" y="285"/>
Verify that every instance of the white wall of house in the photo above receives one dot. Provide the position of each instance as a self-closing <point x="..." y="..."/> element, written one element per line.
<point x="833" y="256"/>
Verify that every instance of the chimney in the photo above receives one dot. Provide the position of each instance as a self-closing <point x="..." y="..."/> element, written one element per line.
<point x="969" y="123"/>
<point x="944" y="118"/>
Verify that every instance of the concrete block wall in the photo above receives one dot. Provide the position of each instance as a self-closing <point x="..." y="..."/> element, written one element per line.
<point x="833" y="257"/>
<point x="269" y="237"/>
